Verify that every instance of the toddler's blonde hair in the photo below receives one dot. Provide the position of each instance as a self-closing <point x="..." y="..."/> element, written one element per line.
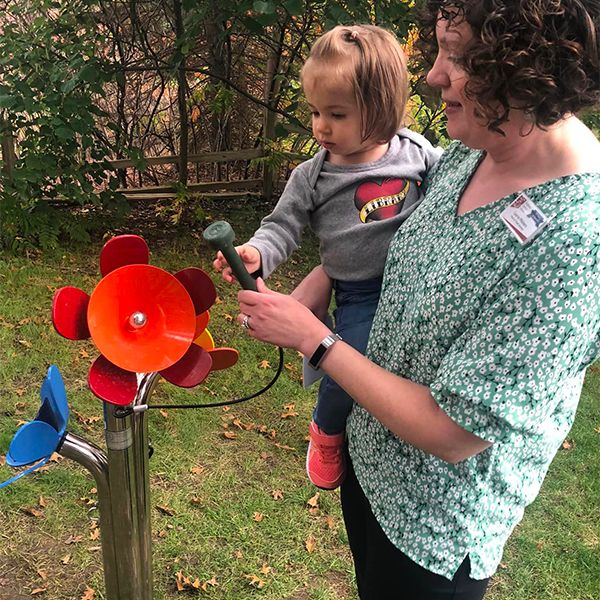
<point x="372" y="61"/>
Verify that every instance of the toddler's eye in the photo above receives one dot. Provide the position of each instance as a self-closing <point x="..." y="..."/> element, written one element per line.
<point x="337" y="115"/>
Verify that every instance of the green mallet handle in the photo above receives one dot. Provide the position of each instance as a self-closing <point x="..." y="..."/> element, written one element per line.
<point x="220" y="236"/>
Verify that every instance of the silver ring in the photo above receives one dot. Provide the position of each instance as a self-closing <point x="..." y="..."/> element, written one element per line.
<point x="246" y="322"/>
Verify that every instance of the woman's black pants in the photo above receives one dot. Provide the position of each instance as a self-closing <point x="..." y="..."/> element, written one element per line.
<point x="385" y="573"/>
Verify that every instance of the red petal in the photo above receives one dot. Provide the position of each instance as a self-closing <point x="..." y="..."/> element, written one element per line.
<point x="123" y="250"/>
<point x="223" y="358"/>
<point x="69" y="313"/>
<point x="190" y="370"/>
<point x="111" y="383"/>
<point x="199" y="286"/>
<point x="201" y="322"/>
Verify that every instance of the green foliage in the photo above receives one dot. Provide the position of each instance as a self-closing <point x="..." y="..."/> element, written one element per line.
<point x="50" y="76"/>
<point x="186" y="208"/>
<point x="592" y="120"/>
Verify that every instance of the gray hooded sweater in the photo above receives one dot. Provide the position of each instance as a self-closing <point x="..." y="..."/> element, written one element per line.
<point x="354" y="210"/>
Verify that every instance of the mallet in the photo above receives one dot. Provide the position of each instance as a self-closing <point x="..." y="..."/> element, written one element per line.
<point x="220" y="236"/>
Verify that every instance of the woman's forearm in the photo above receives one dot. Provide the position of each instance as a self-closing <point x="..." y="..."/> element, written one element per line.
<point x="406" y="408"/>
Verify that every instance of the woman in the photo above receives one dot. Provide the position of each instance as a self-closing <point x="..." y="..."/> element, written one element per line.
<point x="489" y="313"/>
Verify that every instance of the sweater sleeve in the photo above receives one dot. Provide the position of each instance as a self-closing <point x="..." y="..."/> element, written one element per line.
<point x="280" y="232"/>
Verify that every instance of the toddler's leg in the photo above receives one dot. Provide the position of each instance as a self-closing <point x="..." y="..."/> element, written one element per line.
<point x="325" y="461"/>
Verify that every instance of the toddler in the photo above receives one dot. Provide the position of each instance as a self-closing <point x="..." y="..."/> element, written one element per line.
<point x="354" y="194"/>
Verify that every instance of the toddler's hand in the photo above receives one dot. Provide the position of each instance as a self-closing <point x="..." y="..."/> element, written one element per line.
<point x="250" y="257"/>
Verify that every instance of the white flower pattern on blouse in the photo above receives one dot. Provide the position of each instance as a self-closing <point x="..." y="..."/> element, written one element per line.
<point x="502" y="334"/>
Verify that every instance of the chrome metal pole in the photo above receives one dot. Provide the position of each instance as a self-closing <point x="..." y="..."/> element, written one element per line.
<point x="124" y="504"/>
<point x="141" y="454"/>
<point x="94" y="460"/>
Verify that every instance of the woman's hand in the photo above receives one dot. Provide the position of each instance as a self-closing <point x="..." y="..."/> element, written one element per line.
<point x="314" y="291"/>
<point x="280" y="319"/>
<point x="250" y="257"/>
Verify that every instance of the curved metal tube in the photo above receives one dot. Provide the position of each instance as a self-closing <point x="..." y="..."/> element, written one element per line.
<point x="95" y="461"/>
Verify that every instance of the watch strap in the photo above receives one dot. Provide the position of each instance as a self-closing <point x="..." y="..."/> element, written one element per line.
<point x="319" y="354"/>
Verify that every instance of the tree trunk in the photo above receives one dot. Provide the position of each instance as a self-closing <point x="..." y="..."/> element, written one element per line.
<point x="9" y="157"/>
<point x="181" y="99"/>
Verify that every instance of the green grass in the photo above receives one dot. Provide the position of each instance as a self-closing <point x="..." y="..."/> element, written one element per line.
<point x="239" y="505"/>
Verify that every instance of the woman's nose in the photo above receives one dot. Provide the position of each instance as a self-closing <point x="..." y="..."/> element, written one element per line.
<point x="437" y="76"/>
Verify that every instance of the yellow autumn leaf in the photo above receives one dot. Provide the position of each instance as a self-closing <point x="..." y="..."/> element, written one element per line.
<point x="264" y="364"/>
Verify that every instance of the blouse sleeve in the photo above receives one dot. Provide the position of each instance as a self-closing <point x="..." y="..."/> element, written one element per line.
<point x="534" y="336"/>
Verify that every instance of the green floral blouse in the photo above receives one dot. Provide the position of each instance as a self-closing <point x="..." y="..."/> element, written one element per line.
<point x="502" y="332"/>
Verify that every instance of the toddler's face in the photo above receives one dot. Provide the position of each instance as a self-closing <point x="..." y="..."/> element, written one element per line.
<point x="337" y="123"/>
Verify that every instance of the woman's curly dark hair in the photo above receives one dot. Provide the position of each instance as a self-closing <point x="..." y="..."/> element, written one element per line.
<point x="541" y="56"/>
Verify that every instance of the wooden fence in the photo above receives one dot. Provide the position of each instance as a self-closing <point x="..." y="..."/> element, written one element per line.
<point x="264" y="186"/>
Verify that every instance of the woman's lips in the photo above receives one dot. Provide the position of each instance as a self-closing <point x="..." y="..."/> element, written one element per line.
<point x="452" y="107"/>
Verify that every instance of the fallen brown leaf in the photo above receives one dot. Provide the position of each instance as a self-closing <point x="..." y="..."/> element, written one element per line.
<point x="255" y="581"/>
<point x="310" y="544"/>
<point x="74" y="539"/>
<point x="314" y="501"/>
<point x="165" y="510"/>
<point x="38" y="591"/>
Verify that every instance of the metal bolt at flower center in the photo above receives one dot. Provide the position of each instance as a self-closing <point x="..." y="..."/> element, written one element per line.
<point x="137" y="320"/>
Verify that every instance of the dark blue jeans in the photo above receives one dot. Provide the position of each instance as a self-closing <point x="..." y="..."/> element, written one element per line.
<point x="356" y="302"/>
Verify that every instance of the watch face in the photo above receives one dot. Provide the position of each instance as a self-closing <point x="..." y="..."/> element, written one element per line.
<point x="322" y="348"/>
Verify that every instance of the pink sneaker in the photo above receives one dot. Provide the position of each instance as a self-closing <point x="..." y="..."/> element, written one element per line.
<point x="325" y="460"/>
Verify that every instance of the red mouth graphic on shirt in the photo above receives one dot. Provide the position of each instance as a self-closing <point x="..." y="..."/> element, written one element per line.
<point x="377" y="201"/>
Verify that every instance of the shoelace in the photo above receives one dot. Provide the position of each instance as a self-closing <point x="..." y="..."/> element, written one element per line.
<point x="330" y="454"/>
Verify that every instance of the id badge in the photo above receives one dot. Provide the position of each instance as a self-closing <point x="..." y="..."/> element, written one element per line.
<point x="523" y="218"/>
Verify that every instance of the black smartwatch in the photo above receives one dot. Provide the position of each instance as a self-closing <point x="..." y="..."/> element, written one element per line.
<point x="319" y="354"/>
